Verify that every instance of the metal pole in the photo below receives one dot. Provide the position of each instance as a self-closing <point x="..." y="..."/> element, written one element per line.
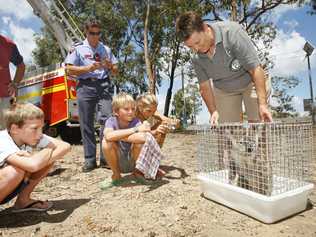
<point x="311" y="90"/>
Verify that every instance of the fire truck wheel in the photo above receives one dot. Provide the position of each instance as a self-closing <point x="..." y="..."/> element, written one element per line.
<point x="70" y="134"/>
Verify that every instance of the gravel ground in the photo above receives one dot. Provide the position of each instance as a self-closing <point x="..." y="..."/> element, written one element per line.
<point x="171" y="207"/>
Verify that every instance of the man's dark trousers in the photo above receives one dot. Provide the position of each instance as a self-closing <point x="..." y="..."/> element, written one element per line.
<point x="92" y="94"/>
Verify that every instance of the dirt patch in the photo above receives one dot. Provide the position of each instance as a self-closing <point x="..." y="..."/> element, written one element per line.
<point x="171" y="207"/>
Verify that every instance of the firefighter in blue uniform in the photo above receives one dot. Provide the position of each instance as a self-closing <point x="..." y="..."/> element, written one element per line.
<point x="93" y="63"/>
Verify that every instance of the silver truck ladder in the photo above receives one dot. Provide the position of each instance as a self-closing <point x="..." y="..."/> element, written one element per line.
<point x="62" y="26"/>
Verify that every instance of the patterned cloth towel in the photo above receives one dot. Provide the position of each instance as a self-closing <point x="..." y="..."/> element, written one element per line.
<point x="149" y="157"/>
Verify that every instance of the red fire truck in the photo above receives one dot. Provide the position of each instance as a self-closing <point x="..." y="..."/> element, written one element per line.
<point x="50" y="88"/>
<point x="55" y="93"/>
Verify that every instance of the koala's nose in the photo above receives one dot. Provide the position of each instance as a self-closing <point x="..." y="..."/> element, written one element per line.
<point x="249" y="149"/>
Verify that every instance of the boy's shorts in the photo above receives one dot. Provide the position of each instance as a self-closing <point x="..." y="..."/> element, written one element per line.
<point x="126" y="162"/>
<point x="15" y="192"/>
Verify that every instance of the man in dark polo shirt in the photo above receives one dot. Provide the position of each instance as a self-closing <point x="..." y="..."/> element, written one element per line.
<point x="93" y="63"/>
<point x="225" y="54"/>
<point x="8" y="53"/>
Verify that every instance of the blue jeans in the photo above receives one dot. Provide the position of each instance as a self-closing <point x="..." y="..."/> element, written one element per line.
<point x="92" y="95"/>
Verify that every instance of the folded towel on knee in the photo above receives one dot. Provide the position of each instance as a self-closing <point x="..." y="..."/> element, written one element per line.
<point x="149" y="158"/>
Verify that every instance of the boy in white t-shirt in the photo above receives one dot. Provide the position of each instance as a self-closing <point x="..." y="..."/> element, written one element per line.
<point x="26" y="156"/>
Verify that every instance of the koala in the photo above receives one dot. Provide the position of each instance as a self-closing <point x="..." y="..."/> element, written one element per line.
<point x="247" y="164"/>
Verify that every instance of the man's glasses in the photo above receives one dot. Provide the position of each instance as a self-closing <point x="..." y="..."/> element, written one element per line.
<point x="94" y="33"/>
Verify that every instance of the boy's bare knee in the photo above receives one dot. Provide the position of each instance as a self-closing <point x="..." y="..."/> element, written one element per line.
<point x="12" y="173"/>
<point x="143" y="137"/>
<point x="108" y="146"/>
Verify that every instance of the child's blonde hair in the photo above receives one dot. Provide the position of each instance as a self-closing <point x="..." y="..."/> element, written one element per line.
<point x="18" y="113"/>
<point x="120" y="100"/>
<point x="146" y="100"/>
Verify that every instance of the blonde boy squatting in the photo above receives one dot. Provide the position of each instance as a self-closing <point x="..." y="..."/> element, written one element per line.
<point x="21" y="169"/>
<point x="124" y="137"/>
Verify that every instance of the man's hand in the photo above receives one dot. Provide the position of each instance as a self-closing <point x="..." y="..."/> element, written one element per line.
<point x="110" y="66"/>
<point x="214" y="118"/>
<point x="95" y="66"/>
<point x="264" y="114"/>
<point x="19" y="73"/>
<point x="107" y="64"/>
<point x="12" y="89"/>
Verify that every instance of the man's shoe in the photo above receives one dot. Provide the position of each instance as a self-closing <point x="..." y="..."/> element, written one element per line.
<point x="104" y="165"/>
<point x="87" y="167"/>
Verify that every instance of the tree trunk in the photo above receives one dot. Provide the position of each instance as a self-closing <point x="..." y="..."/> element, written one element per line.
<point x="150" y="75"/>
<point x="234" y="10"/>
<point x="173" y="69"/>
